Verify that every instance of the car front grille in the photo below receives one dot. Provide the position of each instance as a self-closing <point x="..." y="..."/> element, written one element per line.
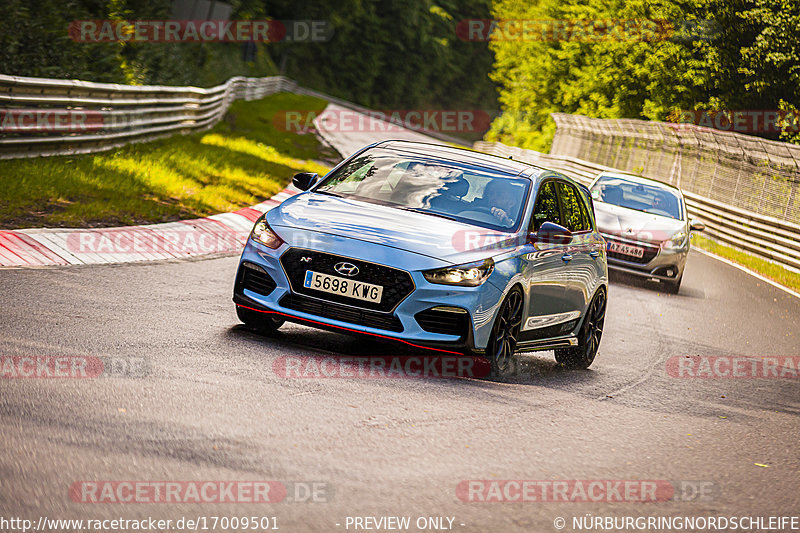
<point x="650" y="252"/>
<point x="396" y="283"/>
<point x="343" y="313"/>
<point x="441" y="321"/>
<point x="254" y="279"/>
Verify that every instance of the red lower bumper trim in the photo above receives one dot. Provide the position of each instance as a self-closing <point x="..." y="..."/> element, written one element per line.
<point x="349" y="329"/>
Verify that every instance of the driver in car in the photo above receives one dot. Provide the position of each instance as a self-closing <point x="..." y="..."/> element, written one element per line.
<point x="499" y="196"/>
<point x="658" y="203"/>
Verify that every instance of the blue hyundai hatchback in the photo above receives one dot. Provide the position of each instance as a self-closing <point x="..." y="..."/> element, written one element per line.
<point x="436" y="247"/>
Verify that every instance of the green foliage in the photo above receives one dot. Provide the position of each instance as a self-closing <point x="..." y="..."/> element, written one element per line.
<point x="35" y="41"/>
<point x="392" y="54"/>
<point x="383" y="53"/>
<point x="720" y="55"/>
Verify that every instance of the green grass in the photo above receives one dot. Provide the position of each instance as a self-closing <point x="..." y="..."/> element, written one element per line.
<point x="243" y="160"/>
<point x="769" y="270"/>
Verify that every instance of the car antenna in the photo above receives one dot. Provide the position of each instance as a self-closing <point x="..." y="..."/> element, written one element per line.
<point x="511" y="157"/>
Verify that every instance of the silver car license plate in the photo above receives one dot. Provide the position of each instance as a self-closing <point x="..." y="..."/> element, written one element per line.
<point x="625" y="249"/>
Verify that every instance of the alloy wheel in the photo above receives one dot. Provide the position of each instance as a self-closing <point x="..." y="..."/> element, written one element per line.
<point x="506" y="333"/>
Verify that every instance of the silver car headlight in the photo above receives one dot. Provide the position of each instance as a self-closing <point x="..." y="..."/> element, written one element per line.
<point x="676" y="242"/>
<point x="263" y="234"/>
<point x="468" y="275"/>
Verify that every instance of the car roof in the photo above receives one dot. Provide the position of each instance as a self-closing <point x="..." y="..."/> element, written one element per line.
<point x="464" y="155"/>
<point x="637" y="179"/>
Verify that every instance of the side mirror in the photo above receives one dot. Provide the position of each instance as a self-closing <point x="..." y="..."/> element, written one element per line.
<point x="550" y="233"/>
<point x="696" y="225"/>
<point x="304" y="180"/>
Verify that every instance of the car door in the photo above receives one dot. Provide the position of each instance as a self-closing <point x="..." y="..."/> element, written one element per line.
<point x="546" y="272"/>
<point x="582" y="253"/>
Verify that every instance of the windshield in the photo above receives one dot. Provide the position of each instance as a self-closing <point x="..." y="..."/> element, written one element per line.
<point x="632" y="195"/>
<point x="445" y="189"/>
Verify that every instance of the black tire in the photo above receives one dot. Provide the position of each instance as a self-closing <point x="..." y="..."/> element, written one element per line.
<point x="260" y="322"/>
<point x="505" y="332"/>
<point x="582" y="355"/>
<point x="674" y="286"/>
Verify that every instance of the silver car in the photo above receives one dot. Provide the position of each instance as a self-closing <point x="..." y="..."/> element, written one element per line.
<point x="645" y="226"/>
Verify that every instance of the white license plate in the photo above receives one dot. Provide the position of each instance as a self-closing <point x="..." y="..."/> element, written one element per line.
<point x="625" y="249"/>
<point x="343" y="286"/>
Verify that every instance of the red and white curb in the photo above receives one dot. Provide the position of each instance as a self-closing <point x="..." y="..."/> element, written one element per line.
<point x="223" y="233"/>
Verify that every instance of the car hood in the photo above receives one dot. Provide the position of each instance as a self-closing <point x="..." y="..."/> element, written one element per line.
<point x="447" y="240"/>
<point x="632" y="224"/>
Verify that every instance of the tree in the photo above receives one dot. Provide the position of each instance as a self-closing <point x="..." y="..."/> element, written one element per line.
<point x="707" y="54"/>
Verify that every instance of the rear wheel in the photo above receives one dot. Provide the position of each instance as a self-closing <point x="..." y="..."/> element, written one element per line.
<point x="503" y="340"/>
<point x="260" y="322"/>
<point x="582" y="355"/>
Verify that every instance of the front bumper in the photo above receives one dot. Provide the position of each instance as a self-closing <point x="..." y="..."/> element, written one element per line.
<point x="401" y="324"/>
<point x="660" y="263"/>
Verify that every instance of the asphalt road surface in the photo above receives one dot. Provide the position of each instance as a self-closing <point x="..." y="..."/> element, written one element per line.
<point x="348" y="131"/>
<point x="209" y="406"/>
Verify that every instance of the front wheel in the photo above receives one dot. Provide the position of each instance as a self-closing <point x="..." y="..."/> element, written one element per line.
<point x="260" y="322"/>
<point x="674" y="286"/>
<point x="582" y="355"/>
<point x="503" y="340"/>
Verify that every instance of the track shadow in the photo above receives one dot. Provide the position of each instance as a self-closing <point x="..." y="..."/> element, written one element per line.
<point x="630" y="280"/>
<point x="310" y="344"/>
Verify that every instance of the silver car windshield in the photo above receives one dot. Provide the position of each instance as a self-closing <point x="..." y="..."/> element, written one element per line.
<point x="641" y="197"/>
<point x="441" y="188"/>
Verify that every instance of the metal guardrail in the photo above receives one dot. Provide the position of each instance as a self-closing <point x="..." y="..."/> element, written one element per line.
<point x="43" y="117"/>
<point x="745" y="171"/>
<point x="764" y="236"/>
<point x="364" y="110"/>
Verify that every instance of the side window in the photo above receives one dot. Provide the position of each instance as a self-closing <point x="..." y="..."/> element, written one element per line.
<point x="546" y="209"/>
<point x="575" y="216"/>
<point x="585" y="210"/>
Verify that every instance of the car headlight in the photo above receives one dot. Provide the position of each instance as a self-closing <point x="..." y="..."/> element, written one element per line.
<point x="263" y="234"/>
<point x="677" y="241"/>
<point x="468" y="275"/>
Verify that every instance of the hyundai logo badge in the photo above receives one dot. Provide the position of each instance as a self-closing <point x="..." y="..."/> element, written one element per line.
<point x="346" y="269"/>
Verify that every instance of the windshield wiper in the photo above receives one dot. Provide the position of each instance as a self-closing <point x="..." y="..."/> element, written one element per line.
<point x="432" y="213"/>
